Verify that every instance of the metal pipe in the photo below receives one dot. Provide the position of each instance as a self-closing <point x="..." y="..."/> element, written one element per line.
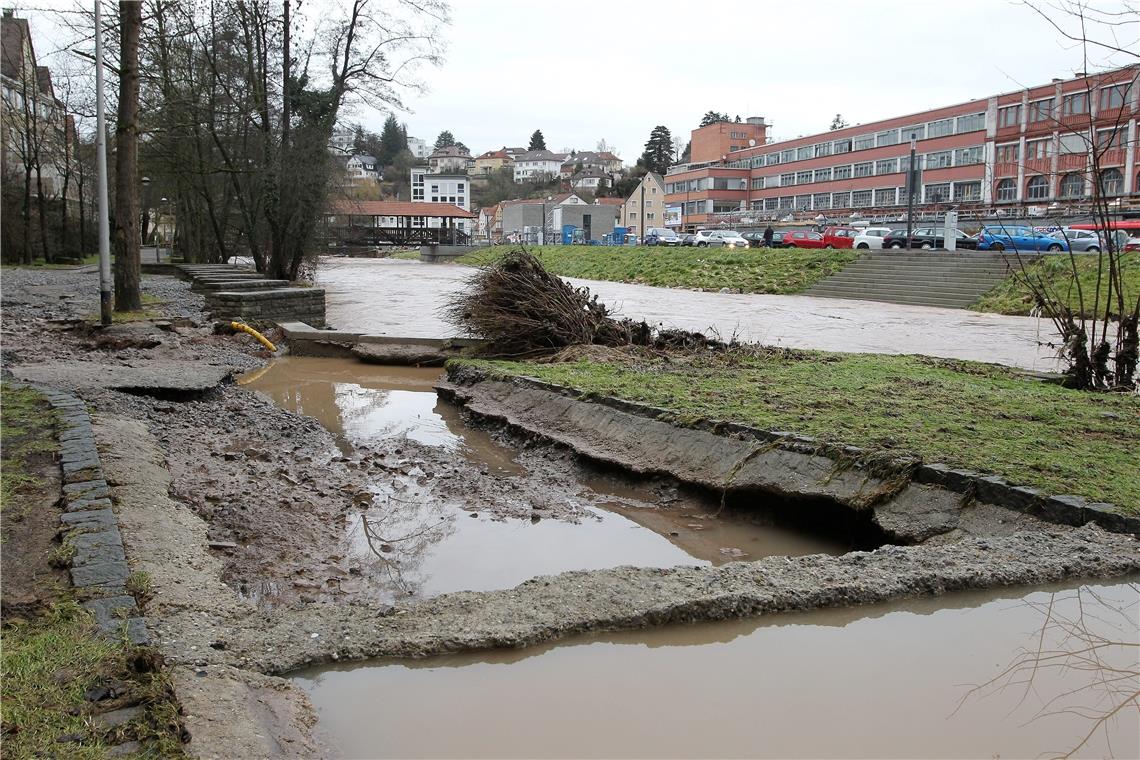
<point x="101" y="181"/>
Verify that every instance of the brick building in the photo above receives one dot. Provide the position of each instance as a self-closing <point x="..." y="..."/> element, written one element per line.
<point x="1024" y="151"/>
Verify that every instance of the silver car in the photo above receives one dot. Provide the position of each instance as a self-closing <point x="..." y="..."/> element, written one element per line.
<point x="1080" y="241"/>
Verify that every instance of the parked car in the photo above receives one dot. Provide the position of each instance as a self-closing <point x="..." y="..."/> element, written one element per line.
<point x="661" y="236"/>
<point x="689" y="239"/>
<point x="755" y="239"/>
<point x="1131" y="244"/>
<point x="1017" y="238"/>
<point x="927" y="238"/>
<point x="802" y="239"/>
<point x="870" y="238"/>
<point x="1080" y="240"/>
<point x="717" y="238"/>
<point x="839" y="237"/>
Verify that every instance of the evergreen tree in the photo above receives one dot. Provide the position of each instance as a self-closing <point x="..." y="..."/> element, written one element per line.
<point x="838" y="122"/>
<point x="537" y="141"/>
<point x="712" y="117"/>
<point x="392" y="141"/>
<point x="462" y="147"/>
<point x="445" y="140"/>
<point x="358" y="140"/>
<point x="658" y="155"/>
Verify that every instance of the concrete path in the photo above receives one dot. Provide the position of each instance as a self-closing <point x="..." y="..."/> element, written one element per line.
<point x="403" y="298"/>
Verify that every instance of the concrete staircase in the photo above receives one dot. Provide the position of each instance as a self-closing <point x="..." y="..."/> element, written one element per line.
<point x="238" y="293"/>
<point x="951" y="280"/>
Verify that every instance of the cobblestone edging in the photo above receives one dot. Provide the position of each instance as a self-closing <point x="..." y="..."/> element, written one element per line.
<point x="99" y="569"/>
<point x="1062" y="509"/>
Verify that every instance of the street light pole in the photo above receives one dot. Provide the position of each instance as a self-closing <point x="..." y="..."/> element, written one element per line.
<point x="101" y="181"/>
<point x="910" y="173"/>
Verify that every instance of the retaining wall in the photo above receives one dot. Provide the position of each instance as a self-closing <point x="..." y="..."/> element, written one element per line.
<point x="284" y="305"/>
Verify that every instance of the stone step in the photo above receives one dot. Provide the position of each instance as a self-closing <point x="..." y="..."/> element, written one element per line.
<point x="239" y="284"/>
<point x="916" y="295"/>
<point x="942" y="303"/>
<point x="869" y="282"/>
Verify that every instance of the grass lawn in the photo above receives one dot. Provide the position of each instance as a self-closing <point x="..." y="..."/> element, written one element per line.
<point x="761" y="270"/>
<point x="977" y="416"/>
<point x="1013" y="297"/>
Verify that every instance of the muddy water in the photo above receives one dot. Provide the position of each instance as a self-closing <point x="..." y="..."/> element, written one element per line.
<point x="454" y="509"/>
<point x="885" y="681"/>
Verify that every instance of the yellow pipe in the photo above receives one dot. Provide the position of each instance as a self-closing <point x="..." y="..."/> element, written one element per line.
<point x="260" y="338"/>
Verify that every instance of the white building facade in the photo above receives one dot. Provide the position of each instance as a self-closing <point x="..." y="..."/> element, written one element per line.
<point x="454" y="189"/>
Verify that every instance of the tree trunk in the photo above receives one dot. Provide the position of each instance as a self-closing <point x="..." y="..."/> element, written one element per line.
<point x="41" y="211"/>
<point x="127" y="265"/>
<point x="26" y="215"/>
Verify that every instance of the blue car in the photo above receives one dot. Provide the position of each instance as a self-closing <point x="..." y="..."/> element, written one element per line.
<point x="1017" y="238"/>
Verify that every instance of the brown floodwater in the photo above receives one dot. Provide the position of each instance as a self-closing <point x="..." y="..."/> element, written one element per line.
<point x="426" y="536"/>
<point x="897" y="680"/>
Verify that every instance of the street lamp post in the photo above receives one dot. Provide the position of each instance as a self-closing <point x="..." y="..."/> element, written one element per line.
<point x="910" y="174"/>
<point x="101" y="178"/>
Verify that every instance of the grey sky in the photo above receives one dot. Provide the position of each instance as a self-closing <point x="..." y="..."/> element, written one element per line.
<point x="592" y="69"/>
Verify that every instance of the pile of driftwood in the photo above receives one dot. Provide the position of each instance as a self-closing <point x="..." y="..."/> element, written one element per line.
<point x="520" y="309"/>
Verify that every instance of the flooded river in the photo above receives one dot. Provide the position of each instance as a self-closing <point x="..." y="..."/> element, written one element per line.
<point x="457" y="510"/>
<point x="404" y="298"/>
<point x="886" y="681"/>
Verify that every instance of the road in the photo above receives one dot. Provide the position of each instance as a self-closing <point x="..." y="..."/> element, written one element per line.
<point x="403" y="298"/>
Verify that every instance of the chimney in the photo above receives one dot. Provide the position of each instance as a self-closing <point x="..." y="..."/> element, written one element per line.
<point x="1057" y="79"/>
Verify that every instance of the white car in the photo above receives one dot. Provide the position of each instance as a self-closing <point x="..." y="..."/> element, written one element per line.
<point x="725" y="238"/>
<point x="870" y="238"/>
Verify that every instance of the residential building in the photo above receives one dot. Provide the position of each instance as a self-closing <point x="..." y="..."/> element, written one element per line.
<point x="419" y="148"/>
<point x="538" y="165"/>
<point x="453" y="189"/>
<point x="1019" y="152"/>
<point x="452" y="159"/>
<point x="340" y="143"/>
<point x="362" y="170"/>
<point x="645" y="207"/>
<point x="492" y="161"/>
<point x="587" y="159"/>
<point x="589" y="179"/>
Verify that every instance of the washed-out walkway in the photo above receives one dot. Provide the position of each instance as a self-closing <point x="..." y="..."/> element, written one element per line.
<point x="404" y="298"/>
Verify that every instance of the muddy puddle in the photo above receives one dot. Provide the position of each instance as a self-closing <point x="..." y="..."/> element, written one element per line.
<point x="913" y="679"/>
<point x="453" y="508"/>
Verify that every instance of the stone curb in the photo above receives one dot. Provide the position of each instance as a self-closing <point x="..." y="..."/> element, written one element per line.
<point x="98" y="565"/>
<point x="1062" y="509"/>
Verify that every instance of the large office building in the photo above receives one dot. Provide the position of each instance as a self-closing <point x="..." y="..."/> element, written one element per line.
<point x="1024" y="152"/>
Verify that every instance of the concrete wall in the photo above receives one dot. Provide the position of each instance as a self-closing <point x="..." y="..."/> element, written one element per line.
<point x="602" y="219"/>
<point x="285" y="305"/>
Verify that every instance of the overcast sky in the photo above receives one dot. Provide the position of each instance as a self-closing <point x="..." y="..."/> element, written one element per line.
<point x="613" y="69"/>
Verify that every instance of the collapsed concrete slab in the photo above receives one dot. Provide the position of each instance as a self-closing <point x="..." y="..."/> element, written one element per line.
<point x="156" y="378"/>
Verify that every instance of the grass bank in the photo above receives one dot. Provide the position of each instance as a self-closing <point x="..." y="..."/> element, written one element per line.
<point x="760" y="270"/>
<point x="981" y="417"/>
<point x="1013" y="297"/>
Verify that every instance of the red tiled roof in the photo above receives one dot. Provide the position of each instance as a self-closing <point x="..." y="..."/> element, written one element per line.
<point x="400" y="208"/>
<point x="609" y="201"/>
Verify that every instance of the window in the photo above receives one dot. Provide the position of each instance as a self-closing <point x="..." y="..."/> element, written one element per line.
<point x="886" y="166"/>
<point x="1072" y="186"/>
<point x="787" y="180"/>
<point x="841" y="146"/>
<point x="967" y="156"/>
<point x="971" y="123"/>
<point x="757" y="183"/>
<point x="787" y="156"/>
<point x="803" y="202"/>
<point x="1007" y="190"/>
<point x="861" y="199"/>
<point x="1037" y="188"/>
<point x="787" y="202"/>
<point x="939" y="193"/>
<point x="1075" y="104"/>
<point x="939" y="160"/>
<point x="771" y="204"/>
<point x="649" y="215"/>
<point x="842" y="172"/>
<point x="756" y="162"/>
<point x="1113" y="96"/>
<point x="1010" y="116"/>
<point x="864" y="169"/>
<point x="803" y="178"/>
<point x="772" y="159"/>
<point x="967" y="191"/>
<point x="862" y="143"/>
<point x="885" y="197"/>
<point x="840" y="200"/>
<point x="823" y="149"/>
<point x="1040" y="110"/>
<point x="940" y="128"/>
<point x="1037" y="148"/>
<point x="804" y="153"/>
<point x="1111" y="182"/>
<point x="918" y="131"/>
<point x="1008" y="153"/>
<point x="822" y="200"/>
<point x="904" y="164"/>
<point x="1110" y="139"/>
<point x="823" y="175"/>
<point x="890" y="137"/>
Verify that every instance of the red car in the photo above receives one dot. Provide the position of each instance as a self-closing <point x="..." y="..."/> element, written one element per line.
<point x="839" y="237"/>
<point x="804" y="239"/>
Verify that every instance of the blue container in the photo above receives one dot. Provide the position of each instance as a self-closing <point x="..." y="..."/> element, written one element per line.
<point x="568" y="234"/>
<point x="619" y="235"/>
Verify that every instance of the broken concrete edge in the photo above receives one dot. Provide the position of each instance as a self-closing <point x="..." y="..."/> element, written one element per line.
<point x="990" y="488"/>
<point x="305" y="340"/>
<point x="98" y="566"/>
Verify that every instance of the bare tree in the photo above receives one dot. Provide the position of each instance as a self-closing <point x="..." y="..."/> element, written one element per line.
<point x="128" y="296"/>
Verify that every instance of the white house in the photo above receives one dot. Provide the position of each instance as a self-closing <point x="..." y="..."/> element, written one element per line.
<point x="451" y="159"/>
<point x="362" y="169"/>
<point x="536" y="165"/>
<point x="454" y="189"/>
<point x="418" y="147"/>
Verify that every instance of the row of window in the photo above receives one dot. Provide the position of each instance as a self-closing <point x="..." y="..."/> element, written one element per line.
<point x="1114" y="138"/>
<point x="1071" y="186"/>
<point x="960" y="192"/>
<point x="1077" y="103"/>
<point x="937" y="160"/>
<point x="926" y="131"/>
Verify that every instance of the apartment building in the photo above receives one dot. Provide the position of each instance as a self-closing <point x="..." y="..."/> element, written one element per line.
<point x="453" y="189"/>
<point x="1019" y="152"/>
<point x="538" y="165"/>
<point x="645" y="207"/>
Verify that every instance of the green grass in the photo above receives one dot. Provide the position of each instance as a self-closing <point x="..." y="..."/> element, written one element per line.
<point x="25" y="428"/>
<point x="1012" y="296"/>
<point x="981" y="417"/>
<point x="406" y="255"/>
<point x="761" y="270"/>
<point x="136" y="316"/>
<point x="40" y="264"/>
